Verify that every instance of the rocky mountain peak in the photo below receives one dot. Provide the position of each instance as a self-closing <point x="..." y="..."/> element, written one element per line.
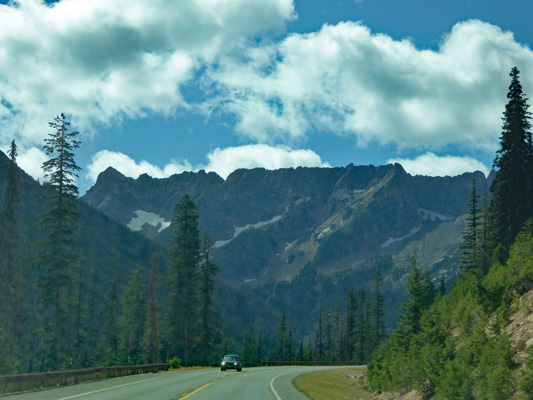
<point x="267" y="225"/>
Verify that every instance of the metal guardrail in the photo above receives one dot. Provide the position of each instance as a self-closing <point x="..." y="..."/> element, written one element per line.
<point x="24" y="382"/>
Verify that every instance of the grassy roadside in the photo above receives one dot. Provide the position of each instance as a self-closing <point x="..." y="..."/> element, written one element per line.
<point x="335" y="384"/>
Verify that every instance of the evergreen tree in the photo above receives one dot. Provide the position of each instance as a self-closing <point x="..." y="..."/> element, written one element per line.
<point x="512" y="189"/>
<point x="351" y="322"/>
<point x="249" y="352"/>
<point x="80" y="356"/>
<point x="421" y="294"/>
<point x="259" y="346"/>
<point x="470" y="256"/>
<point x="308" y="351"/>
<point x="339" y="344"/>
<point x="11" y="312"/>
<point x="363" y="327"/>
<point x="378" y="313"/>
<point x="132" y="321"/>
<point x="181" y="306"/>
<point x="152" y="331"/>
<point x="57" y="258"/>
<point x="209" y="333"/>
<point x="320" y="348"/>
<point x="92" y="315"/>
<point x="108" y="347"/>
<point x="283" y="341"/>
<point x="485" y="256"/>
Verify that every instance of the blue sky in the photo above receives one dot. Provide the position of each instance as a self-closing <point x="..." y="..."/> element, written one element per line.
<point x="162" y="87"/>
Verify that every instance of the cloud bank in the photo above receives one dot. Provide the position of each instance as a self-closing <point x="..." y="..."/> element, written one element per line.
<point x="432" y="165"/>
<point x="346" y="79"/>
<point x="102" y="61"/>
<point x="221" y="161"/>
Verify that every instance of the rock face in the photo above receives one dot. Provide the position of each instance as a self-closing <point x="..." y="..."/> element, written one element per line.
<point x="265" y="226"/>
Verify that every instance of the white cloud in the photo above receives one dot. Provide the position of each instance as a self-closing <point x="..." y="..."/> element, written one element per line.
<point x="346" y="79"/>
<point x="430" y="164"/>
<point x="129" y="167"/>
<point x="225" y="161"/>
<point x="101" y="61"/>
<point x="31" y="161"/>
<point x="221" y="161"/>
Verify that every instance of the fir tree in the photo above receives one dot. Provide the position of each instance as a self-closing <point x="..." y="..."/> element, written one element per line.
<point x="470" y="256"/>
<point x="209" y="333"/>
<point x="132" y="321"/>
<point x="363" y="327"/>
<point x="283" y="341"/>
<point x="512" y="189"/>
<point x="93" y="312"/>
<point x="152" y="331"/>
<point x="339" y="344"/>
<point x="108" y="347"/>
<point x="11" y="271"/>
<point x="421" y="294"/>
<point x="181" y="306"/>
<point x="320" y="348"/>
<point x="80" y="355"/>
<point x="57" y="258"/>
<point x="378" y="310"/>
<point x="250" y="347"/>
<point x="351" y="322"/>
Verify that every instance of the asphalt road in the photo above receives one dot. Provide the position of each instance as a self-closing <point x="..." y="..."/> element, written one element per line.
<point x="265" y="383"/>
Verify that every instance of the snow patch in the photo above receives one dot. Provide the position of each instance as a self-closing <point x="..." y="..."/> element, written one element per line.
<point x="427" y="215"/>
<point x="143" y="217"/>
<point x="290" y="245"/>
<point x="241" y="229"/>
<point x="393" y="240"/>
<point x="432" y="215"/>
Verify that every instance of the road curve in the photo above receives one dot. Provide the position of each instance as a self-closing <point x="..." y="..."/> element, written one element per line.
<point x="264" y="383"/>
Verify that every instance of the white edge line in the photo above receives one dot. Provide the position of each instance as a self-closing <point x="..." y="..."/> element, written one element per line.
<point x="272" y="385"/>
<point x="109" y="388"/>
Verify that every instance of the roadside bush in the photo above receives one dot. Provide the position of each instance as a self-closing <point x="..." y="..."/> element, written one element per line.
<point x="175" y="363"/>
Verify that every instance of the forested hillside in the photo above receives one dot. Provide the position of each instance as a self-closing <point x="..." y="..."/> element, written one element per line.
<point x="476" y="342"/>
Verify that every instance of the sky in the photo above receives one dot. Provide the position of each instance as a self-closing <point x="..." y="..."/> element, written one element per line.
<point x="164" y="86"/>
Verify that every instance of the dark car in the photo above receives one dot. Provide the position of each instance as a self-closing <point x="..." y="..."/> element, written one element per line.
<point x="231" y="361"/>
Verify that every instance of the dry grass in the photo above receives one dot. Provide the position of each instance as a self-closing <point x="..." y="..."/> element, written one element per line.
<point x="335" y="384"/>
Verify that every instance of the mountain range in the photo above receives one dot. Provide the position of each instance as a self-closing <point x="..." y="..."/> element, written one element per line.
<point x="285" y="241"/>
<point x="268" y="229"/>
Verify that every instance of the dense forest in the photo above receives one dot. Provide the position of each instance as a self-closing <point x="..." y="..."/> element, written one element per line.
<point x="60" y="312"/>
<point x="456" y="346"/>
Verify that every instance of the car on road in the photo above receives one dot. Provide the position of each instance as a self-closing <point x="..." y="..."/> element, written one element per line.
<point x="231" y="361"/>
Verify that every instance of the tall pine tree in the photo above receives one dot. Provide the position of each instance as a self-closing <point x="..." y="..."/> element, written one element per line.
<point x="470" y="255"/>
<point x="512" y="189"/>
<point x="57" y="258"/>
<point x="421" y="294"/>
<point x="209" y="333"/>
<point x="108" y="346"/>
<point x="181" y="305"/>
<point x="152" y="331"/>
<point x="11" y="270"/>
<point x="378" y="310"/>
<point x="132" y="321"/>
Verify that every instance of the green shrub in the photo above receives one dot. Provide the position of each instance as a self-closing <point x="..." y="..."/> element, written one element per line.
<point x="175" y="363"/>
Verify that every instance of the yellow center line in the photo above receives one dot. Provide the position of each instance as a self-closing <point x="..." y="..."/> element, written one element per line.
<point x="184" y="396"/>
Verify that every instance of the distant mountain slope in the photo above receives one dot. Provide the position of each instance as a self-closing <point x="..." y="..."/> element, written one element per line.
<point x="267" y="225"/>
<point x="104" y="243"/>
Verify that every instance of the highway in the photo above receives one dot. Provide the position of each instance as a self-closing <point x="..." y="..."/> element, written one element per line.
<point x="263" y="383"/>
